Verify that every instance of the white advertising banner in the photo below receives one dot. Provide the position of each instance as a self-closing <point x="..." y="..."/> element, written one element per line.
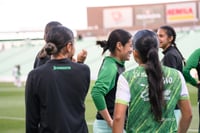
<point x="182" y="12"/>
<point x="118" y="17"/>
<point x="148" y="15"/>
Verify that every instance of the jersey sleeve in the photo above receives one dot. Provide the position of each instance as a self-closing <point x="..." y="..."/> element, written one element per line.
<point x="123" y="91"/>
<point x="184" y="90"/>
<point x="103" y="85"/>
<point x="191" y="63"/>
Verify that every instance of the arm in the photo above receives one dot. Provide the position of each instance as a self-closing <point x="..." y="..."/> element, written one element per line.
<point x="191" y="63"/>
<point x="119" y="117"/>
<point x="102" y="86"/>
<point x="186" y="116"/>
<point x="105" y="114"/>
<point x="100" y="89"/>
<point x="185" y="107"/>
<point x="121" y="104"/>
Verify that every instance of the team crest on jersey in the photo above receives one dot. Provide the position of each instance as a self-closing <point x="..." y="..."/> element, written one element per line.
<point x="145" y="94"/>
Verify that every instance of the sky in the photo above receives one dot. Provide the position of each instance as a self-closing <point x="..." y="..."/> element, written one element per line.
<point x="28" y="15"/>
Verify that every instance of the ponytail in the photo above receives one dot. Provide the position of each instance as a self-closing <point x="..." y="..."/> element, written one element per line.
<point x="155" y="80"/>
<point x="146" y="43"/>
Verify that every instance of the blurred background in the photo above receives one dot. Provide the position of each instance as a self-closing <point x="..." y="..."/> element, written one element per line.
<point x="21" y="37"/>
<point x="23" y="21"/>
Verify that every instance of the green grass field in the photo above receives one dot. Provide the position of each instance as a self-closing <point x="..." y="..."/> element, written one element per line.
<point x="12" y="110"/>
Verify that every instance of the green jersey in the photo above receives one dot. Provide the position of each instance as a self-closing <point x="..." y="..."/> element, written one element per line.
<point x="103" y="92"/>
<point x="132" y="90"/>
<point x="193" y="62"/>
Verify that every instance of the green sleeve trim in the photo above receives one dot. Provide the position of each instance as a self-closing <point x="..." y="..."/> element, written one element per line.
<point x="186" y="97"/>
<point x="121" y="101"/>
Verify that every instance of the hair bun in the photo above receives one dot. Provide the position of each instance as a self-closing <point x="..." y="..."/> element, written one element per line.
<point x="51" y="48"/>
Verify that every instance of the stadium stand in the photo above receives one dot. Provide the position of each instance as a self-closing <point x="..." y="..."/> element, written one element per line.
<point x="25" y="53"/>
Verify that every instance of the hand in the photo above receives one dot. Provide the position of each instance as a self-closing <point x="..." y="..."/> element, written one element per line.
<point x="73" y="59"/>
<point x="110" y="123"/>
<point x="82" y="56"/>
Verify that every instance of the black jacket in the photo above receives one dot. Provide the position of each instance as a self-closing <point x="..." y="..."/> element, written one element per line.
<point x="54" y="96"/>
<point x="40" y="61"/>
<point x="172" y="58"/>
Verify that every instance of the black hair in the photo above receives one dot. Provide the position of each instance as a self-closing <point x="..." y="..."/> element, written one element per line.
<point x="49" y="26"/>
<point x="146" y="43"/>
<point x="118" y="35"/>
<point x="172" y="33"/>
<point x="57" y="38"/>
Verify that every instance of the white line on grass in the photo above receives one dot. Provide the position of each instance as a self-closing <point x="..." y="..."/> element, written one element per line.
<point x="12" y="118"/>
<point x="22" y="119"/>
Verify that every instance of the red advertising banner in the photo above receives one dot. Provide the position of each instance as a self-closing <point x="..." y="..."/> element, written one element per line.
<point x="182" y="12"/>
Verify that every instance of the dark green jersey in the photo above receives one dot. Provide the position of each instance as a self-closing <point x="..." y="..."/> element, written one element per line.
<point x="193" y="62"/>
<point x="103" y="92"/>
<point x="133" y="91"/>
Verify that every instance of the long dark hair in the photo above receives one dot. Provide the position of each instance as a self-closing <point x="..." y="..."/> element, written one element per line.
<point x="118" y="35"/>
<point x="146" y="43"/>
<point x="171" y="33"/>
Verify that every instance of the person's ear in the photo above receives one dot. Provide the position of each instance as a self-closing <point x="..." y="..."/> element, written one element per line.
<point x="135" y="53"/>
<point x="69" y="47"/>
<point x="119" y="45"/>
<point x="171" y="38"/>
